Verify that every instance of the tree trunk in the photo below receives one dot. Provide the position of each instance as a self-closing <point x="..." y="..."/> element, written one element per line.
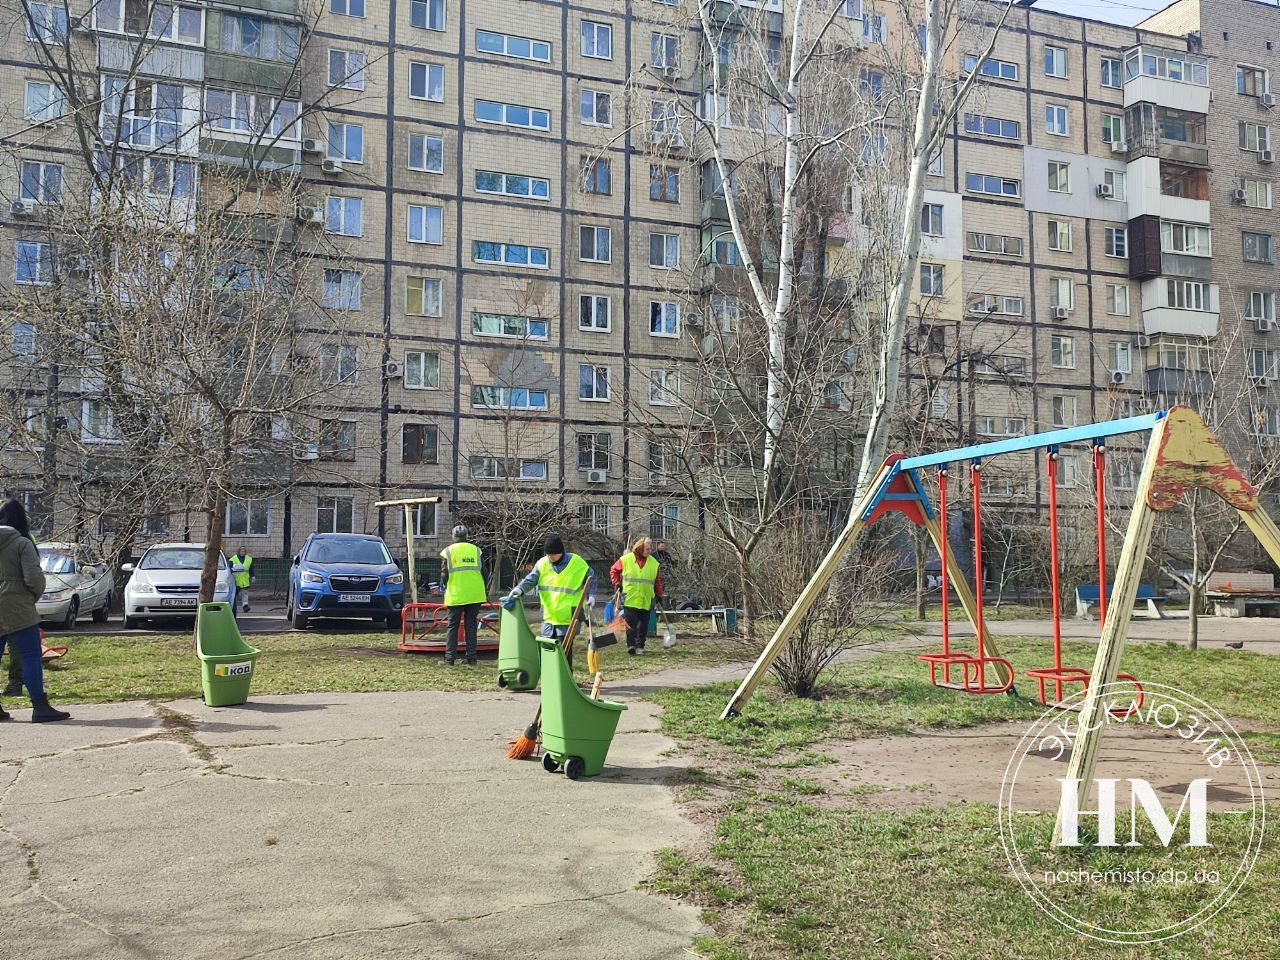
<point x="747" y="622"/>
<point x="215" y="522"/>
<point x="922" y="585"/>
<point x="1193" y="616"/>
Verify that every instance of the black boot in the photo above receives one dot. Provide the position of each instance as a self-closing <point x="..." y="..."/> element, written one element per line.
<point x="4" y="715"/>
<point x="14" y="689"/>
<point x="41" y="712"/>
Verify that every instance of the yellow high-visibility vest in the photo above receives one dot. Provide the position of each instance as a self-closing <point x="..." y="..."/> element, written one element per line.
<point x="559" y="592"/>
<point x="466" y="583"/>
<point x="638" y="583"/>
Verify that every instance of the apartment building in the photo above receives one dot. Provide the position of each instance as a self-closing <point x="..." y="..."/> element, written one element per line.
<point x="515" y="264"/>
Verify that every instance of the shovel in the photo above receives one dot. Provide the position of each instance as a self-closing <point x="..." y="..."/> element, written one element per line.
<point x="668" y="631"/>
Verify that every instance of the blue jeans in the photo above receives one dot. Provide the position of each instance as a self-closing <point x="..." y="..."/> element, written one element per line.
<point x="553" y="632"/>
<point x="26" y="644"/>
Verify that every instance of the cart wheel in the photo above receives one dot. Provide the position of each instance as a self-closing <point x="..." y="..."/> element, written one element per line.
<point x="550" y="763"/>
<point x="522" y="678"/>
<point x="502" y="680"/>
<point x="574" y="768"/>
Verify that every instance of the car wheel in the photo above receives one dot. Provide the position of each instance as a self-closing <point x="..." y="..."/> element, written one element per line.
<point x="300" y="620"/>
<point x="393" y="621"/>
<point x="100" y="615"/>
<point x="73" y="614"/>
<point x="132" y="623"/>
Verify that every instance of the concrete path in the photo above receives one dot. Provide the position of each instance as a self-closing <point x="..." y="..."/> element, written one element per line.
<point x="322" y="826"/>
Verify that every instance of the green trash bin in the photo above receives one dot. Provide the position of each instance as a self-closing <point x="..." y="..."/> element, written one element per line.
<point x="518" y="660"/>
<point x="227" y="663"/>
<point x="576" y="730"/>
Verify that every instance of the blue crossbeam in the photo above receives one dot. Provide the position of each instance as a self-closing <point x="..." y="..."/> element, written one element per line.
<point x="1036" y="441"/>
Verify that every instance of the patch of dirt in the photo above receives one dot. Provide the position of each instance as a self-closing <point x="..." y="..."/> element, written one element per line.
<point x="367" y="651"/>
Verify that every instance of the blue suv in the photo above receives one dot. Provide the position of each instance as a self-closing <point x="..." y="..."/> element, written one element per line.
<point x="345" y="575"/>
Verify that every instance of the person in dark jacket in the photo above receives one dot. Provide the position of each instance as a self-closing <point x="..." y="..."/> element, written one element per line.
<point x="21" y="583"/>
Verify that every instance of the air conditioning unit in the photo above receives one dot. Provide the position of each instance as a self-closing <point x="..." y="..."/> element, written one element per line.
<point x="1119" y="146"/>
<point x="1264" y="324"/>
<point x="1260" y="382"/>
<point x="1265" y="156"/>
<point x="331" y="166"/>
<point x="83" y="25"/>
<point x="23" y="208"/>
<point x="860" y="43"/>
<point x="1142" y="341"/>
<point x="1119" y="376"/>
<point x="665" y="71"/>
<point x="311" y="215"/>
<point x="1061" y="313"/>
<point x="1238" y="196"/>
<point x="1105" y="191"/>
<point x="312" y="146"/>
<point x="393" y="369"/>
<point x="657" y="478"/>
<point x="307" y="451"/>
<point x="1267" y="99"/>
<point x="597" y="476"/>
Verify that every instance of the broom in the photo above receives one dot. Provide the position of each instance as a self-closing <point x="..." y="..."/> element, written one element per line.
<point x="523" y="747"/>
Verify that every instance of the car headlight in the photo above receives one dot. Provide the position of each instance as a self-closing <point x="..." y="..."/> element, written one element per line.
<point x="140" y="582"/>
<point x="309" y="577"/>
<point x="395" y="578"/>
<point x="56" y="595"/>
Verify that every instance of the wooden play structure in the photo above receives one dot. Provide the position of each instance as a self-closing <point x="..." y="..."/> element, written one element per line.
<point x="1182" y="453"/>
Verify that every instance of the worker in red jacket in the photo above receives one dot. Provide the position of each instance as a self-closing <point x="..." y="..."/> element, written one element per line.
<point x="636" y="576"/>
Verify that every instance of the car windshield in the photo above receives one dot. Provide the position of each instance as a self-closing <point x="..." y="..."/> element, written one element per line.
<point x="176" y="558"/>
<point x="52" y="561"/>
<point x="348" y="551"/>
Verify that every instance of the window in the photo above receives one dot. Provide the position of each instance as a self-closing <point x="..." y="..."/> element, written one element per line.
<point x="997" y="186"/>
<point x="341" y="290"/>
<point x="726" y="311"/>
<point x="1121" y="356"/>
<point x="426" y="153"/>
<point x="346" y="69"/>
<point x="499" y="468"/>
<point x="1251" y="81"/>
<point x="333" y="514"/>
<point x="33" y="262"/>
<point x="508" y="398"/>
<point x="1262" y="363"/>
<point x="873" y="28"/>
<point x="664" y="318"/>
<point x="996" y="69"/>
<point x="1267" y="421"/>
<point x="421" y="370"/>
<point x="665" y="117"/>
<point x="931" y="219"/>
<point x="664" y="51"/>
<point x="593" y="382"/>
<point x="1154" y="62"/>
<point x="509" y="46"/>
<point x="1118" y="181"/>
<point x="97" y="422"/>
<point x="508" y="326"/>
<point x="1064" y="411"/>
<point x="1261" y="305"/>
<point x="1112" y="128"/>
<point x="871" y="84"/>
<point x="347" y="8"/>
<point x="346" y="142"/>
<point x="24" y="339"/>
<point x="1116" y="241"/>
<point x="850" y="9"/>
<point x="724" y="250"/>
<point x="251" y="36"/>
<point x="47" y="22"/>
<point x="424" y="518"/>
<point x="594" y="244"/>
<point x="1062" y="352"/>
<point x="595" y="516"/>
<point x="1059" y="177"/>
<point x="597" y="40"/>
<point x="338" y="439"/>
<point x="1062" y="292"/>
<point x="512" y="115"/>
<point x="664" y="523"/>
<point x="418" y="442"/>
<point x="1060" y="235"/>
<point x="247" y="518"/>
<point x="40" y="181"/>
<point x="426" y="81"/>
<point x="427" y="14"/>
<point x="1055" y="120"/>
<point x="512" y="185"/>
<point x="995" y="244"/>
<point x="343" y="216"/>
<point x="595" y="108"/>
<point x="422" y="296"/>
<point x="1188" y="294"/>
<point x="43" y="102"/>
<point x="1109" y="74"/>
<point x="931" y="279"/>
<point x="935" y="167"/>
<point x="514" y="254"/>
<point x="1055" y="61"/>
<point x="594" y="312"/>
<point x="593" y="451"/>
<point x="596" y="175"/>
<point x="1258" y="247"/>
<point x="1257" y="193"/>
<point x="225" y="111"/>
<point x="992" y="127"/>
<point x="664" y="251"/>
<point x="1254" y="136"/>
<point x="1118" y="299"/>
<point x="664" y="388"/>
<point x="1188" y="238"/>
<point x="664" y="183"/>
<point x="338" y="362"/>
<point x="426" y="224"/>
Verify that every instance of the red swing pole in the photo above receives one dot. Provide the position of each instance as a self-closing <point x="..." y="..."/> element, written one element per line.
<point x="1099" y="486"/>
<point x="975" y="482"/>
<point x="946" y="579"/>
<point x="1052" y="463"/>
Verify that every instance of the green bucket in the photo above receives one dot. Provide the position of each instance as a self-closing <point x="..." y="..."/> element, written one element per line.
<point x="518" y="663"/>
<point x="576" y="730"/>
<point x="227" y="663"/>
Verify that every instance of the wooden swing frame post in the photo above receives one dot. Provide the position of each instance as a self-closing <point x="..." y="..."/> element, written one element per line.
<point x="408" y="505"/>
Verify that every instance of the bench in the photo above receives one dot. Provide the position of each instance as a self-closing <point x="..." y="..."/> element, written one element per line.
<point x="1232" y="603"/>
<point x="723" y="619"/>
<point x="1087" y="598"/>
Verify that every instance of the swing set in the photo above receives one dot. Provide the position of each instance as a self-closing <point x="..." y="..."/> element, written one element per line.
<point x="1182" y="453"/>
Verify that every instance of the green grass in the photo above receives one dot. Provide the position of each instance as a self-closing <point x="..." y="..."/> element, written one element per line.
<point x="163" y="667"/>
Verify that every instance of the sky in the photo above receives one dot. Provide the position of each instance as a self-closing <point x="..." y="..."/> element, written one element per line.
<point x="1114" y="11"/>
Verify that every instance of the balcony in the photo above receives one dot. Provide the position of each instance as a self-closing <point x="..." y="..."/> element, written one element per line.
<point x="1176" y="382"/>
<point x="117" y="54"/>
<point x="1167" y="77"/>
<point x="1180" y="308"/>
<point x="1166" y="134"/>
<point x="1168" y="190"/>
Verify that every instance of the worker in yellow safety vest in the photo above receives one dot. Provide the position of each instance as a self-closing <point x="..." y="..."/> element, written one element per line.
<point x="635" y="576"/>
<point x="561" y="577"/>
<point x="464" y="591"/>
<point x="242" y="571"/>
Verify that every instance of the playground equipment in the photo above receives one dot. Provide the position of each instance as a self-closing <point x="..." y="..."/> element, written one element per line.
<point x="519" y="665"/>
<point x="423" y="626"/>
<point x="576" y="729"/>
<point x="1182" y="453"/>
<point x="227" y="663"/>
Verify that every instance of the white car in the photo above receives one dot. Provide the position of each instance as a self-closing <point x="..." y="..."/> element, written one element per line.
<point x="72" y="586"/>
<point x="166" y="583"/>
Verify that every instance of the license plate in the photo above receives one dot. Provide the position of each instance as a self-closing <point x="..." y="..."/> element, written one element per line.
<point x="177" y="603"/>
<point x="353" y="598"/>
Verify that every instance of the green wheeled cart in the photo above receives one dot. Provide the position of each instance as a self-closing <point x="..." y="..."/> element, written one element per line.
<point x="227" y="663"/>
<point x="518" y="663"/>
<point x="576" y="730"/>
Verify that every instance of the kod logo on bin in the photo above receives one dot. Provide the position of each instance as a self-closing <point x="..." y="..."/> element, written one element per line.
<point x="233" y="669"/>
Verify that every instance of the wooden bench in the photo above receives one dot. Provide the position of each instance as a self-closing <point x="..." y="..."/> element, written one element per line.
<point x="720" y="617"/>
<point x="1087" y="598"/>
